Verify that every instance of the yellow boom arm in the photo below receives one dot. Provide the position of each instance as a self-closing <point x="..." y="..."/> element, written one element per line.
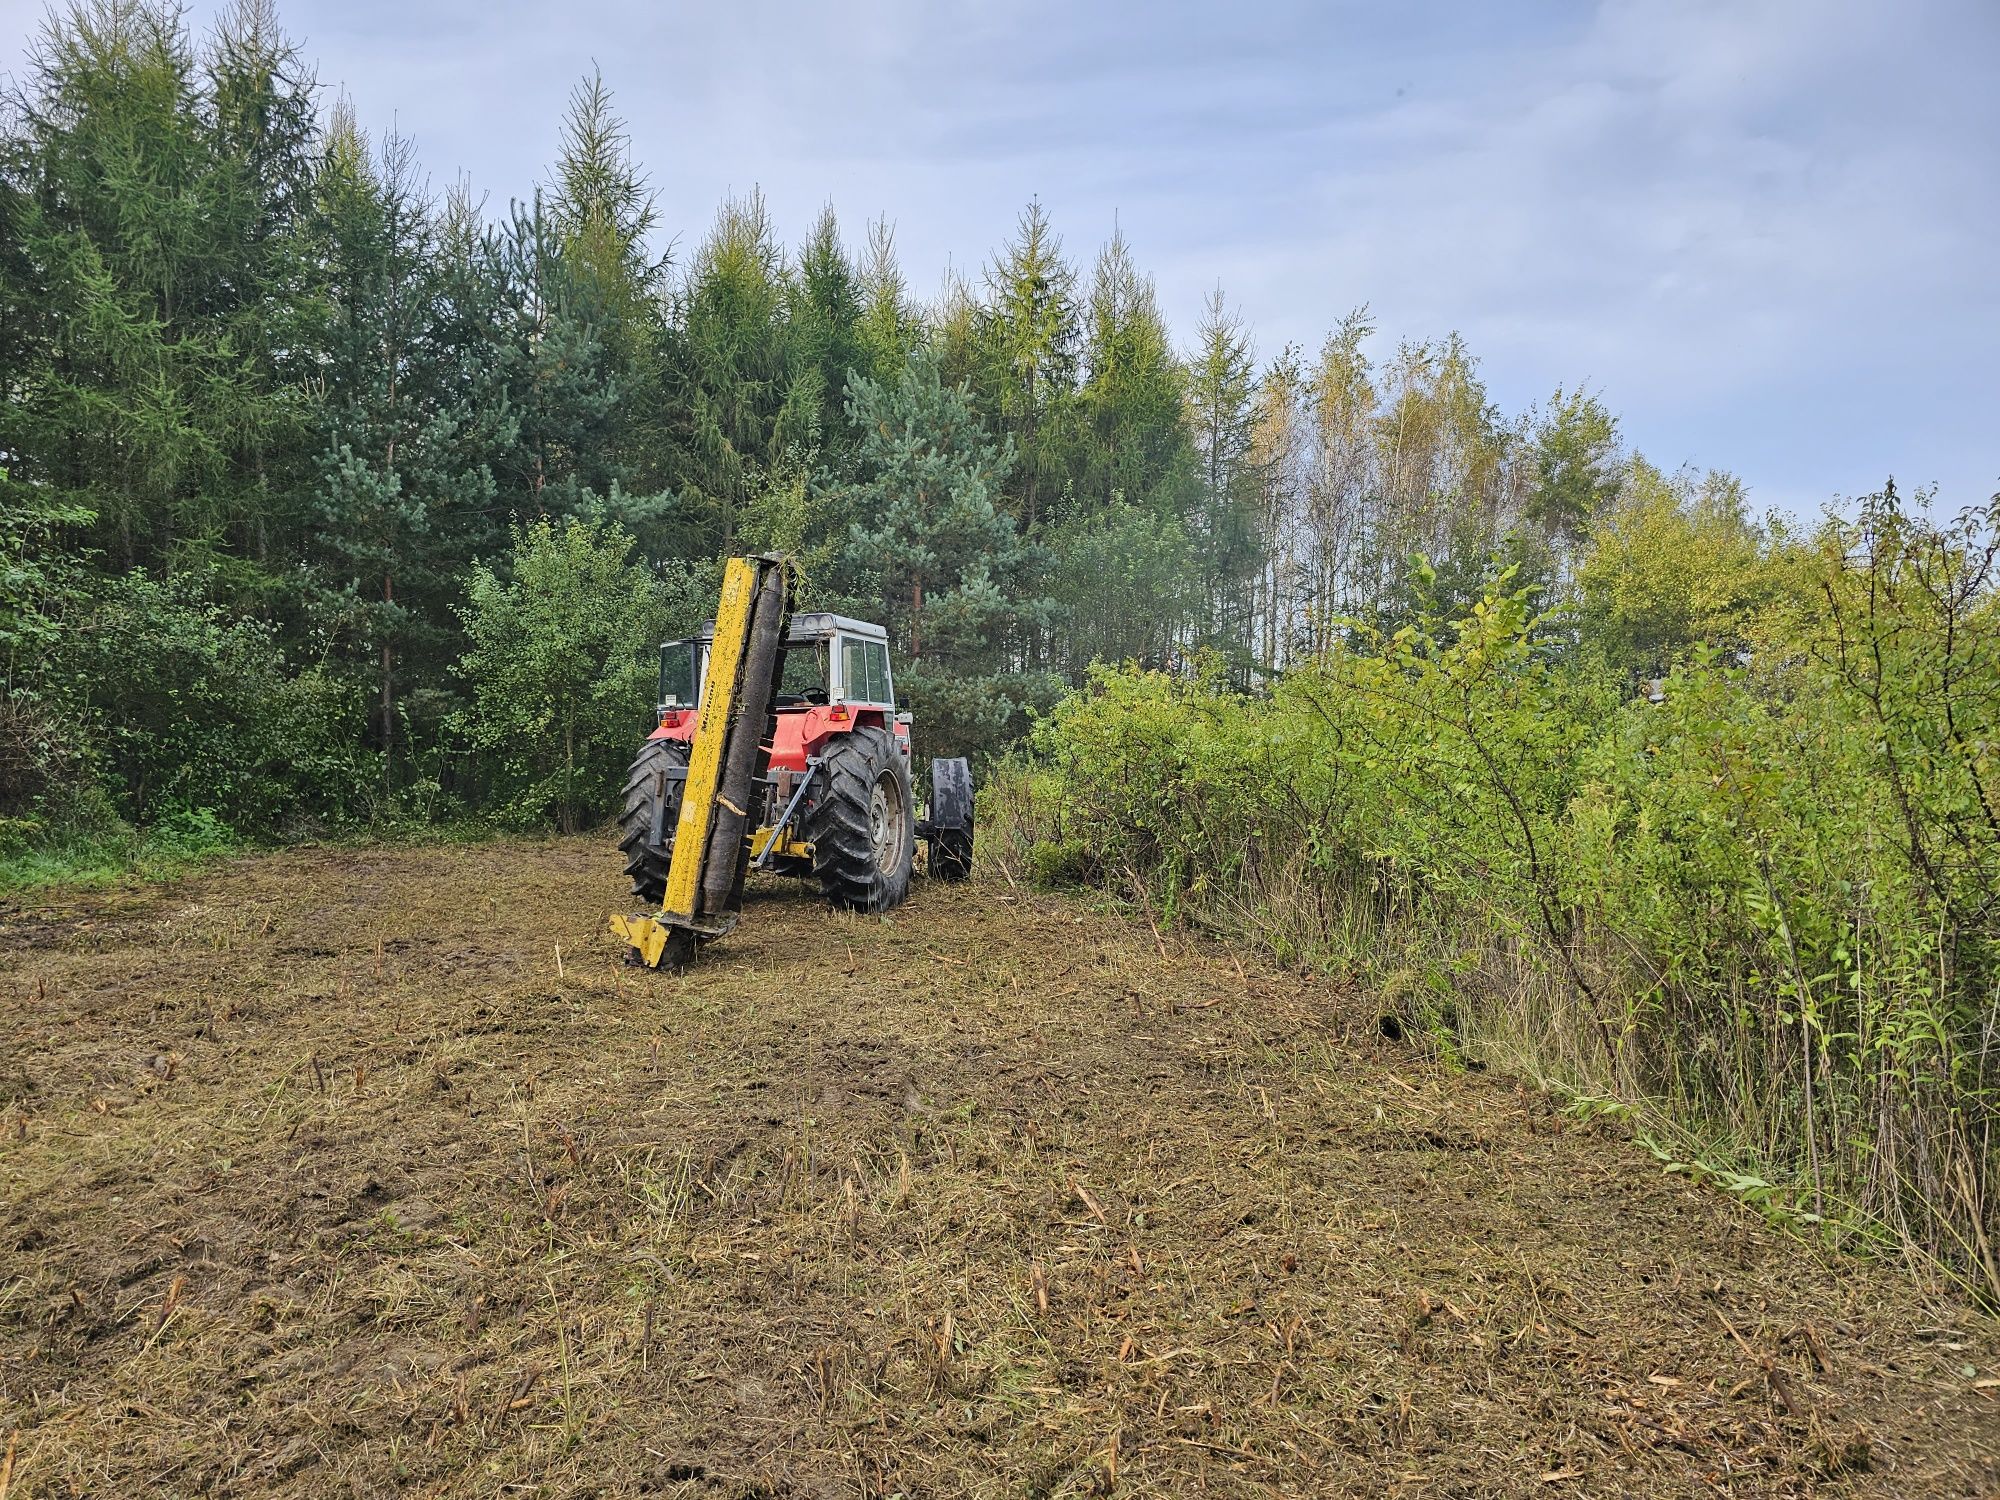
<point x="704" y="890"/>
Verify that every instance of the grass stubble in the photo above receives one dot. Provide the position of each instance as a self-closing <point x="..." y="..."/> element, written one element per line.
<point x="371" y="1172"/>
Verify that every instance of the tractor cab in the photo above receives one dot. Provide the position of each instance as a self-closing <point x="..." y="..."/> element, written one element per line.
<point x="829" y="659"/>
<point x="833" y="678"/>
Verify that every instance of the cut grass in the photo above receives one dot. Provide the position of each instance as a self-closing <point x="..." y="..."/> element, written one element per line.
<point x="322" y="1176"/>
<point x="123" y="855"/>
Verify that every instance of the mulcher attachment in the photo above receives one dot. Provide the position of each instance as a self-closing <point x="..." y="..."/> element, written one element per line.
<point x="731" y="750"/>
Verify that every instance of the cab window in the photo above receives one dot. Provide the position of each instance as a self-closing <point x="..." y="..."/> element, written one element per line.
<point x="678" y="681"/>
<point x="853" y="670"/>
<point x="864" y="670"/>
<point x="878" y="673"/>
<point x="804" y="677"/>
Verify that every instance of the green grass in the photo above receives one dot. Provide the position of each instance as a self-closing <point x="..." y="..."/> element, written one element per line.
<point x="109" y="858"/>
<point x="178" y="846"/>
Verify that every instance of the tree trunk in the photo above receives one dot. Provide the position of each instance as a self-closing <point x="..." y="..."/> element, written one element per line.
<point x="388" y="690"/>
<point x="567" y="817"/>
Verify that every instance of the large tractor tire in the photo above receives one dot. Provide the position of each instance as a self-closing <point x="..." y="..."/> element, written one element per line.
<point x="860" y="822"/>
<point x="951" y="820"/>
<point x="652" y="809"/>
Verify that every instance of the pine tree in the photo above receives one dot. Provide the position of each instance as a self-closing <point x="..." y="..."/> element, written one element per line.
<point x="945" y="564"/>
<point x="568" y="385"/>
<point x="399" y="481"/>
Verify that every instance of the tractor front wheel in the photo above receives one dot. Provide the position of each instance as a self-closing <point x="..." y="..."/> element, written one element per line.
<point x="652" y="808"/>
<point x="860" y="823"/>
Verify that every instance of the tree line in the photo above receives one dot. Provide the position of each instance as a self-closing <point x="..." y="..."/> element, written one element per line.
<point x="332" y="496"/>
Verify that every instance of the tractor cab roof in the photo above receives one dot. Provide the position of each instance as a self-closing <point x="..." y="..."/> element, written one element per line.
<point x="816" y="625"/>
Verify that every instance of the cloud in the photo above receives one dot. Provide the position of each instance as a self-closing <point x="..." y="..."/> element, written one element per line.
<point x="1761" y="227"/>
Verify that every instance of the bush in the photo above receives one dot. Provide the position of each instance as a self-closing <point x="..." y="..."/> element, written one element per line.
<point x="186" y="707"/>
<point x="562" y="667"/>
<point x="1056" y="863"/>
<point x="1760" y="909"/>
<point x="48" y="776"/>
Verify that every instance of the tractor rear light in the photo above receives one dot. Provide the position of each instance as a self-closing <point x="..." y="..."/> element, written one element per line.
<point x="671" y="719"/>
<point x="838" y="713"/>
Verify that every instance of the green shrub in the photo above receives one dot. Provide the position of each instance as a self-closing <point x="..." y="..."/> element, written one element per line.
<point x="1056" y="863"/>
<point x="49" y="777"/>
<point x="1760" y="909"/>
<point x="191" y="833"/>
<point x="562" y="667"/>
<point x="183" y="705"/>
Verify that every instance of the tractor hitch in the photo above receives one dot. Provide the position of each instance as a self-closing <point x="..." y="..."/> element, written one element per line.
<point x="777" y="840"/>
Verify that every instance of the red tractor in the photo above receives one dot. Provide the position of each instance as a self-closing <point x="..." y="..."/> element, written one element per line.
<point x="822" y="783"/>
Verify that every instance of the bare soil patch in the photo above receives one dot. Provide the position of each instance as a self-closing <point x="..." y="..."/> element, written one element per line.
<point x="322" y="1175"/>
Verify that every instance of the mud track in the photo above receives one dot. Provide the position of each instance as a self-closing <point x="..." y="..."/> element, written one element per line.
<point x="323" y="1175"/>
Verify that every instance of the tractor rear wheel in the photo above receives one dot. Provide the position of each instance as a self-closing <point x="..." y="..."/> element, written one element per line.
<point x="860" y="822"/>
<point x="652" y="808"/>
<point x="951" y="820"/>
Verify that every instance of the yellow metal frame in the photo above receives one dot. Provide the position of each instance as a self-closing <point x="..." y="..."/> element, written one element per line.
<point x="644" y="934"/>
<point x="791" y="846"/>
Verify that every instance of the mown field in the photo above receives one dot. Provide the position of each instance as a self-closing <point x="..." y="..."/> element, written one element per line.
<point x="369" y="1173"/>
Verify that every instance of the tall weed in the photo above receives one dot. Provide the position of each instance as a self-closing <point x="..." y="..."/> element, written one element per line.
<point x="1759" y="909"/>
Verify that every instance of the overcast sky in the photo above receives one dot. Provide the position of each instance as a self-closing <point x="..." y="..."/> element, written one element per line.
<point x="1765" y="230"/>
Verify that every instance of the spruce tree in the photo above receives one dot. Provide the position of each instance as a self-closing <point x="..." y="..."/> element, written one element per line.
<point x="602" y="213"/>
<point x="728" y="369"/>
<point x="890" y="327"/>
<point x="601" y="207"/>
<point x="1133" y="441"/>
<point x="823" y="341"/>
<point x="153" y="206"/>
<point x="1028" y="338"/>
<point x="1221" y="394"/>
<point x="399" y="482"/>
<point x="948" y="571"/>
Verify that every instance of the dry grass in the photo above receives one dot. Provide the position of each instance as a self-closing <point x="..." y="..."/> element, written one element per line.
<point x="329" y="1177"/>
